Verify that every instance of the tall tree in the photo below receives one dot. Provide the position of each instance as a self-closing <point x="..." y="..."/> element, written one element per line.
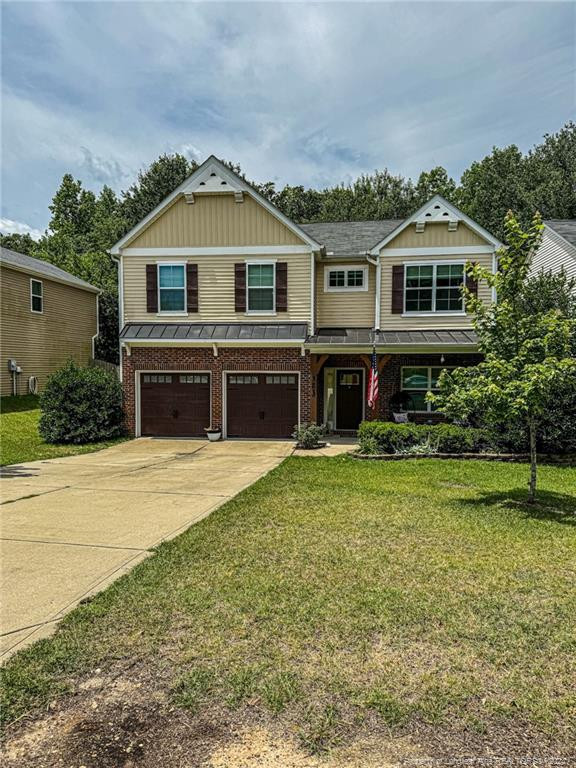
<point x="434" y="182"/>
<point x="528" y="362"/>
<point x="550" y="174"/>
<point x="19" y="243"/>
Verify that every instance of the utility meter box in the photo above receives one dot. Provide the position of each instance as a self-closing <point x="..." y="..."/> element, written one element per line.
<point x="12" y="366"/>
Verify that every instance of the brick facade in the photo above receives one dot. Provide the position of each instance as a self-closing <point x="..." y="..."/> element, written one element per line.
<point x="271" y="359"/>
<point x="202" y="359"/>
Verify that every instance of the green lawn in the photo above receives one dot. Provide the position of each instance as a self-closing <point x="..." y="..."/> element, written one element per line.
<point x="19" y="438"/>
<point x="422" y="595"/>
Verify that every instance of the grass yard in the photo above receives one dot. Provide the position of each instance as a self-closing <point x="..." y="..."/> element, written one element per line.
<point x="19" y="438"/>
<point x="417" y="604"/>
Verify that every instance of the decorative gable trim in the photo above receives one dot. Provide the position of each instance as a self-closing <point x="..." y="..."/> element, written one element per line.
<point x="213" y="177"/>
<point x="437" y="209"/>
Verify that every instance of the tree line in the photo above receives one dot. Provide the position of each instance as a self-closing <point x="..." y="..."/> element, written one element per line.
<point x="84" y="225"/>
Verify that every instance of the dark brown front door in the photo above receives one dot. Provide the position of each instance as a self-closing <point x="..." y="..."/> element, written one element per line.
<point x="262" y="404"/>
<point x="174" y="404"/>
<point x="349" y="399"/>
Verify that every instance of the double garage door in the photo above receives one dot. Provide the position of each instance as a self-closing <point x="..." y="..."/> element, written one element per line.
<point x="256" y="404"/>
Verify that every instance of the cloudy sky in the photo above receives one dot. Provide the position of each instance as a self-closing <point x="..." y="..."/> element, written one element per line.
<point x="298" y="93"/>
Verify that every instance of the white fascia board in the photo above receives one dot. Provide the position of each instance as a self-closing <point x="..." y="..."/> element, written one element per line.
<point x="212" y="163"/>
<point x="221" y="343"/>
<point x="233" y="250"/>
<point x="456" y="212"/>
<point x="462" y="250"/>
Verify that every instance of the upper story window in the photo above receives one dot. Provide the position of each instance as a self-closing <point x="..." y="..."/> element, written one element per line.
<point x="260" y="287"/>
<point x="433" y="287"/>
<point x="346" y="279"/>
<point x="36" y="296"/>
<point x="171" y="288"/>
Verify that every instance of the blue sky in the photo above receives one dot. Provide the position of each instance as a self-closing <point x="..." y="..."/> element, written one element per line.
<point x="299" y="93"/>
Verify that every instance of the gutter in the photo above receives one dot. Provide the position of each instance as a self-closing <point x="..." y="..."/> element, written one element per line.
<point x="118" y="261"/>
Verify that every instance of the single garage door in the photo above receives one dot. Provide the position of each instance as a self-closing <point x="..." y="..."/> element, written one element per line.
<point x="174" y="404"/>
<point x="262" y="404"/>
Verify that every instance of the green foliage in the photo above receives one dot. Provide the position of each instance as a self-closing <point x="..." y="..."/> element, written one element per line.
<point x="308" y="435"/>
<point x="386" y="437"/>
<point x="528" y="344"/>
<point x="19" y="243"/>
<point x="81" y="405"/>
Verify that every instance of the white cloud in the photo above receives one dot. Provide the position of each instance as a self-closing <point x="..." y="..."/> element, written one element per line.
<point x="9" y="227"/>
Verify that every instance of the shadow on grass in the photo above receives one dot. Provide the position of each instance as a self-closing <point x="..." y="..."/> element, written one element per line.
<point x="549" y="505"/>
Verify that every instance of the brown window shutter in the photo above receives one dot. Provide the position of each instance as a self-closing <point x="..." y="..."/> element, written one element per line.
<point x="397" y="289"/>
<point x="192" y="287"/>
<point x="282" y="286"/>
<point x="240" y="287"/>
<point x="151" y="288"/>
<point x="472" y="283"/>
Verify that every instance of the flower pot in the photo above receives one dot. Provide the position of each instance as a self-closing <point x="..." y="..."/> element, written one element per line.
<point x="213" y="434"/>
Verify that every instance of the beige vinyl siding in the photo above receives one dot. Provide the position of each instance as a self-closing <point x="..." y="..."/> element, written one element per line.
<point x="352" y="309"/>
<point x="214" y="220"/>
<point x="435" y="235"/>
<point x="553" y="254"/>
<point x="42" y="343"/>
<point x="414" y="322"/>
<point x="216" y="289"/>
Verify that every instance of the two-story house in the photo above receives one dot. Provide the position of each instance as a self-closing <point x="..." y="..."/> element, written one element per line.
<point x="236" y="317"/>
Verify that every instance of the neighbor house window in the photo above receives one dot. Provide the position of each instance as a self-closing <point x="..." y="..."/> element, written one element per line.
<point x="36" y="296"/>
<point x="346" y="279"/>
<point x="171" y="288"/>
<point x="433" y="287"/>
<point x="260" y="287"/>
<point x="416" y="382"/>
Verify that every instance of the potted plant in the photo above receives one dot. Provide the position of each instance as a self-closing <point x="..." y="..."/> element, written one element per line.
<point x="213" y="433"/>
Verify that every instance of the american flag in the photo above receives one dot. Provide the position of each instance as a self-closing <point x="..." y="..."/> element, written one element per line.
<point x="373" y="382"/>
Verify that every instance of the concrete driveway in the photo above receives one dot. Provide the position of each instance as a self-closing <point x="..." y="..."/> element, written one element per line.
<point x="70" y="526"/>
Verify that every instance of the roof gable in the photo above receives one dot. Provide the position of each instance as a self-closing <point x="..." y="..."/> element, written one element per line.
<point x="213" y="177"/>
<point x="437" y="210"/>
<point x="564" y="229"/>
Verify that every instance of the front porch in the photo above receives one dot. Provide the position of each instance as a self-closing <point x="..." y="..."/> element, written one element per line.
<point x="339" y="387"/>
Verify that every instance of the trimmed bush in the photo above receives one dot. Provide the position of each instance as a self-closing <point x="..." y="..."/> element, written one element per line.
<point x="81" y="405"/>
<point x="387" y="437"/>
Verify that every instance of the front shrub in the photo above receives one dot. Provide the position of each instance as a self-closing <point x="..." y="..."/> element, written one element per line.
<point x="387" y="437"/>
<point x="81" y="405"/>
<point x="309" y="436"/>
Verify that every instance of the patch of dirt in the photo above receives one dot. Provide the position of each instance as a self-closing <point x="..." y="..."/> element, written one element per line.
<point x="124" y="718"/>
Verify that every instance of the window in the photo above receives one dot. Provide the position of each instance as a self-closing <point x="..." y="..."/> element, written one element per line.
<point x="171" y="288"/>
<point x="281" y="379"/>
<point x="350" y="379"/>
<point x="417" y="382"/>
<point x="433" y="287"/>
<point x="243" y="379"/>
<point x="157" y="379"/>
<point x="36" y="296"/>
<point x="346" y="279"/>
<point x="260" y="287"/>
<point x="194" y="378"/>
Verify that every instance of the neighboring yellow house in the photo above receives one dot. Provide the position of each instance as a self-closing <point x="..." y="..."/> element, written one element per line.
<point x="48" y="317"/>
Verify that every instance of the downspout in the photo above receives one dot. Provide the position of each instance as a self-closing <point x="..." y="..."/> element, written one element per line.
<point x="118" y="261"/>
<point x="312" y="293"/>
<point x="97" y="325"/>
<point x="377" y="308"/>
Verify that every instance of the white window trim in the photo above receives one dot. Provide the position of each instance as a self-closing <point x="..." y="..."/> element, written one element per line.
<point x="429" y="389"/>
<point x="173" y="313"/>
<point x="262" y="312"/>
<point x="345" y="288"/>
<point x="37" y="311"/>
<point x="434" y="312"/>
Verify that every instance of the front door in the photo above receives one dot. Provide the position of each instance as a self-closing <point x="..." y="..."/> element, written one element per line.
<point x="349" y="399"/>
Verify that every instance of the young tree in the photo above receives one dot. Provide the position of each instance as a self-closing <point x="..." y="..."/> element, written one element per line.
<point x="528" y="355"/>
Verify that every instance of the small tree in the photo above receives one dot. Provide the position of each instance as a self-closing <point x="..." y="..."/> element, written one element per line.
<point x="528" y="355"/>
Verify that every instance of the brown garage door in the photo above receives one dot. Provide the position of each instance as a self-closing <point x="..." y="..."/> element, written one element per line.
<point x="262" y="404"/>
<point x="174" y="404"/>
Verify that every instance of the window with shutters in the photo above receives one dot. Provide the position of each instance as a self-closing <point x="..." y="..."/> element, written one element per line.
<point x="260" y="287"/>
<point x="347" y="278"/>
<point x="433" y="287"/>
<point x="172" y="288"/>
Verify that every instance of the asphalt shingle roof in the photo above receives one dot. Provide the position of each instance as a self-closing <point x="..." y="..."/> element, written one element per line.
<point x="39" y="267"/>
<point x="566" y="228"/>
<point x="350" y="238"/>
